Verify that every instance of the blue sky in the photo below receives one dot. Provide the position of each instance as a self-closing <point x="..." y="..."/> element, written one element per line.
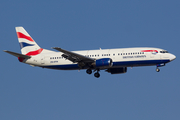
<point x="28" y="93"/>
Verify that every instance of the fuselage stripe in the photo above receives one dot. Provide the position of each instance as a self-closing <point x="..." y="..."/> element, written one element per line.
<point x="149" y="51"/>
<point x="115" y="64"/>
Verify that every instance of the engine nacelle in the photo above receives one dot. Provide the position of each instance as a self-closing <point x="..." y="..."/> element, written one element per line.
<point x="117" y="70"/>
<point x="104" y="62"/>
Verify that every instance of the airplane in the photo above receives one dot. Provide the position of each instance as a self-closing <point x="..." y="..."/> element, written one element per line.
<point x="114" y="61"/>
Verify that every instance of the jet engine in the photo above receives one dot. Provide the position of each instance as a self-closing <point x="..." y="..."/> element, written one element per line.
<point x="104" y="62"/>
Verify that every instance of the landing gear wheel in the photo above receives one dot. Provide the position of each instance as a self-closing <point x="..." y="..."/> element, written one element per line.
<point x="88" y="71"/>
<point x="97" y="75"/>
<point x="157" y="69"/>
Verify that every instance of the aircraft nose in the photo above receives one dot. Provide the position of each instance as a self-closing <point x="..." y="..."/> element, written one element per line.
<point x="172" y="57"/>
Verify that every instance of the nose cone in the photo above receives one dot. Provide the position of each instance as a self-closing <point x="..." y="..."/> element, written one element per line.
<point x="172" y="57"/>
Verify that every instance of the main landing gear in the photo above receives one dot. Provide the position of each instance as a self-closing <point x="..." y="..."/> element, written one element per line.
<point x="88" y="71"/>
<point x="97" y="75"/>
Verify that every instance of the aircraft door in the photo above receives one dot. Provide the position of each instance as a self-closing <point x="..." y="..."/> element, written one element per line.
<point x="44" y="60"/>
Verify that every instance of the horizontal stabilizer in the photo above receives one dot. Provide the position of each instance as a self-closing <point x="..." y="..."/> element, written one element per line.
<point x="17" y="54"/>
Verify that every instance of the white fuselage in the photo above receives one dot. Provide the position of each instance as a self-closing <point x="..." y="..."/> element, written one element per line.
<point x="124" y="57"/>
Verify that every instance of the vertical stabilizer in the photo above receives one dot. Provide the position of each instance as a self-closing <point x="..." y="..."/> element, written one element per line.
<point x="27" y="44"/>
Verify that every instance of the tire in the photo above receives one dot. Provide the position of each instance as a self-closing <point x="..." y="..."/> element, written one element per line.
<point x="88" y="71"/>
<point x="157" y="69"/>
<point x="97" y="75"/>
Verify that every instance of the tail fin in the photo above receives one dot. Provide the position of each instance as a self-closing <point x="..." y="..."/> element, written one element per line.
<point x="28" y="45"/>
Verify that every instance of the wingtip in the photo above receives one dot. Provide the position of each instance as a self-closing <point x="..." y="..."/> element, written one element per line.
<point x="56" y="48"/>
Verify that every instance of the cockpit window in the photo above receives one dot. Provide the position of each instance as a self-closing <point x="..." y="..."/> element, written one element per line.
<point x="163" y="51"/>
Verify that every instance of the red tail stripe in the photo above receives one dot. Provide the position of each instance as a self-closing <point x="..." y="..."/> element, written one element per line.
<point x="21" y="35"/>
<point x="149" y="51"/>
<point x="35" y="52"/>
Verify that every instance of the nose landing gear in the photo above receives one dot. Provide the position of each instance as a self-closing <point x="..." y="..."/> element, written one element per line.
<point x="160" y="65"/>
<point x="157" y="69"/>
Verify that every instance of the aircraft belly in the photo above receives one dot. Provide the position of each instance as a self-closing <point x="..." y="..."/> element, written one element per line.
<point x="64" y="67"/>
<point x="115" y="64"/>
<point x="138" y="63"/>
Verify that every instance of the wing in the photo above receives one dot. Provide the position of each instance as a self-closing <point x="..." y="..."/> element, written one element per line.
<point x="74" y="57"/>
